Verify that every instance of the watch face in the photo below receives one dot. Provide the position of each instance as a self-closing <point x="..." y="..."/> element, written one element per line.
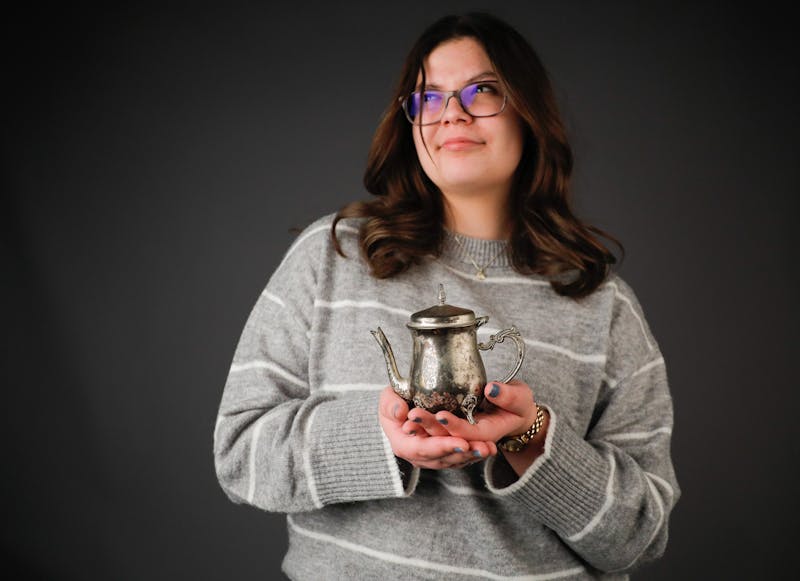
<point x="512" y="445"/>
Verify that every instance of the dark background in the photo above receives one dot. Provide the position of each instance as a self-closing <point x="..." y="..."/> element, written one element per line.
<point x="155" y="159"/>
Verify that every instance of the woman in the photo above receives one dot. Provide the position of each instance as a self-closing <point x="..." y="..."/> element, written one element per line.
<point x="567" y="472"/>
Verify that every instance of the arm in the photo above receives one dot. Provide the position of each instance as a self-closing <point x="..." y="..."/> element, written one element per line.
<point x="608" y="492"/>
<point x="279" y="445"/>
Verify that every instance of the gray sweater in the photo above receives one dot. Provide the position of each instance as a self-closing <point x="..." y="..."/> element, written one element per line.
<point x="298" y="430"/>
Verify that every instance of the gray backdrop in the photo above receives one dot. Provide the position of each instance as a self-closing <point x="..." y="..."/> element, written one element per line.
<point x="156" y="158"/>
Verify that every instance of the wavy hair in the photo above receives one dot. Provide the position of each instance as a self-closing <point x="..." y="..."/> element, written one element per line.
<point x="404" y="222"/>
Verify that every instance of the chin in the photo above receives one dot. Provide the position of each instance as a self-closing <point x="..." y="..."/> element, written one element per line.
<point x="473" y="178"/>
<point x="468" y="187"/>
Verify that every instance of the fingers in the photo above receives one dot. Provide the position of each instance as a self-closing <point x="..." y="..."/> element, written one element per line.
<point x="489" y="427"/>
<point x="418" y="436"/>
<point x="417" y="450"/>
<point x="478" y="452"/>
<point x="515" y="397"/>
<point x="510" y="409"/>
<point x="425" y="420"/>
<point x="392" y="406"/>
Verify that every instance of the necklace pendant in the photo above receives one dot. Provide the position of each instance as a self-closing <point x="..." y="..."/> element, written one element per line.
<point x="480" y="275"/>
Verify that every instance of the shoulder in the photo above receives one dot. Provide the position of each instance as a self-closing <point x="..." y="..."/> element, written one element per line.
<point x="621" y="293"/>
<point x="316" y="236"/>
<point x="630" y="332"/>
<point x="314" y="244"/>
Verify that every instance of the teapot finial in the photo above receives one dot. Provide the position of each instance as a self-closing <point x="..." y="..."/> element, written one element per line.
<point x="442" y="296"/>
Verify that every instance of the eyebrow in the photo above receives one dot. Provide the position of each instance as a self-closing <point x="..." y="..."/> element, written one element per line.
<point x="477" y="77"/>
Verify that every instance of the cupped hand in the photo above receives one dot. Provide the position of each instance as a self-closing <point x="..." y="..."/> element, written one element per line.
<point x="425" y="443"/>
<point x="509" y="409"/>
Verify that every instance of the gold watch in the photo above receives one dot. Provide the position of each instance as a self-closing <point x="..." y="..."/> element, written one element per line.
<point x="519" y="442"/>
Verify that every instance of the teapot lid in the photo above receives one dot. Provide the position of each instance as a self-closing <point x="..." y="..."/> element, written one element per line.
<point x="441" y="316"/>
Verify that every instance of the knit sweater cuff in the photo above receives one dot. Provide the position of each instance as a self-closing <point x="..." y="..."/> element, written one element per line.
<point x="566" y="487"/>
<point x="351" y="458"/>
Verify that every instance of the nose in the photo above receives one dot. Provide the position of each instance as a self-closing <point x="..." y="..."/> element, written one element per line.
<point x="454" y="113"/>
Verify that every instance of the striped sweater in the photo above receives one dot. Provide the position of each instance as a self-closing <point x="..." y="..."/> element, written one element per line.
<point x="298" y="430"/>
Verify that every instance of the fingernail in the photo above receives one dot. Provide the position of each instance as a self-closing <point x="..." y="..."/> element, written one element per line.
<point x="412" y="433"/>
<point x="395" y="409"/>
<point x="477" y="454"/>
<point x="495" y="390"/>
<point x="442" y="421"/>
<point x="417" y="420"/>
<point x="459" y="450"/>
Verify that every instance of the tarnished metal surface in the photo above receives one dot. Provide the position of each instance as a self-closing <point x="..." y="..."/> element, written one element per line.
<point x="447" y="371"/>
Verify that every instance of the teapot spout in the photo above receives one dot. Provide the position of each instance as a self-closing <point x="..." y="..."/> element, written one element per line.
<point x="398" y="383"/>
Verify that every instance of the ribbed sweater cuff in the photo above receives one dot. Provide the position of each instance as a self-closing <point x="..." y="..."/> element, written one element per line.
<point x="351" y="458"/>
<point x="565" y="487"/>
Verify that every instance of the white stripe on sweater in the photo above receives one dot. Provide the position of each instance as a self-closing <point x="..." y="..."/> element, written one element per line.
<point x="662" y="482"/>
<point x="352" y="386"/>
<point x="413" y="480"/>
<point x="238" y="368"/>
<point x="394" y="469"/>
<point x="312" y="485"/>
<point x="583" y="358"/>
<point x="423" y="564"/>
<point x="660" y="504"/>
<point x="638" y="435"/>
<point x="360" y="305"/>
<point x="648" y="366"/>
<point x="625" y="299"/>
<point x="216" y="427"/>
<point x="275" y="299"/>
<point x="307" y="235"/>
<point x="603" y="509"/>
<point x="251" y="474"/>
<point x="613" y="383"/>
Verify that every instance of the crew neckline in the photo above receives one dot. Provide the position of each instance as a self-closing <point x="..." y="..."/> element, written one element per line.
<point x="478" y="249"/>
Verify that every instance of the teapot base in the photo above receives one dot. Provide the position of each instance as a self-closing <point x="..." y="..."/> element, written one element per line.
<point x="458" y="405"/>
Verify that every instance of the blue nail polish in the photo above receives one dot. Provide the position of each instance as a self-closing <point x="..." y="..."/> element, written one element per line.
<point x="477" y="454"/>
<point x="442" y="421"/>
<point x="459" y="450"/>
<point x="495" y="390"/>
<point x="417" y="420"/>
<point x="412" y="433"/>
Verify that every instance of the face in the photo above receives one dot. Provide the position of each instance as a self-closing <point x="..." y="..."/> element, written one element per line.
<point x="467" y="156"/>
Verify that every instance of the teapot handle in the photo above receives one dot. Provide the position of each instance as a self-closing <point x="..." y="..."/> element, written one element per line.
<point x="511" y="333"/>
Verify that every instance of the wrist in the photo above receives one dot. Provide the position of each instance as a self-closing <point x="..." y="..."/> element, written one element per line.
<point x="522" y="460"/>
<point x="516" y="443"/>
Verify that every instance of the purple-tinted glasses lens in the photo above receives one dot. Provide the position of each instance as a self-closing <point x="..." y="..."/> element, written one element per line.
<point x="430" y="104"/>
<point x="468" y="95"/>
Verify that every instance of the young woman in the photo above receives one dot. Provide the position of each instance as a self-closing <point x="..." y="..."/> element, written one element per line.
<point x="566" y="472"/>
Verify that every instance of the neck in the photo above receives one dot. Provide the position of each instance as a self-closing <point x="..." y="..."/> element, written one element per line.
<point x="484" y="217"/>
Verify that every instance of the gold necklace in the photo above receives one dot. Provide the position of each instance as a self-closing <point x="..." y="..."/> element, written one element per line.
<point x="480" y="271"/>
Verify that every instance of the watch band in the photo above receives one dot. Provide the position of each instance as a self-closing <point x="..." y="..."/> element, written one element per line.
<point x="518" y="443"/>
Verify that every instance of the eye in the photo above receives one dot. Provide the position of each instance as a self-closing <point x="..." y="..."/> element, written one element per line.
<point x="486" y="87"/>
<point x="431" y="97"/>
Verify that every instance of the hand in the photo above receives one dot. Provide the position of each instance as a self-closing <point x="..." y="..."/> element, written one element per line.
<point x="509" y="409"/>
<point x="426" y="444"/>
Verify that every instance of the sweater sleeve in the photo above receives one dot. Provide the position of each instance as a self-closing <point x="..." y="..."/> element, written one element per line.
<point x="279" y="445"/>
<point x="608" y="492"/>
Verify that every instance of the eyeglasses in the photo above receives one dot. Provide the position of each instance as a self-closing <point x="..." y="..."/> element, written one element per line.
<point x="481" y="99"/>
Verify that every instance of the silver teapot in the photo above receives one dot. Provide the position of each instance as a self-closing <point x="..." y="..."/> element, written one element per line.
<point x="447" y="371"/>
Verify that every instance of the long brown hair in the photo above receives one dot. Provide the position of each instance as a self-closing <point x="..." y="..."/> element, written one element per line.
<point x="405" y="220"/>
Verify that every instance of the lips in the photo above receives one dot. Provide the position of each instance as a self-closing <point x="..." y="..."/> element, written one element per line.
<point x="460" y="143"/>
